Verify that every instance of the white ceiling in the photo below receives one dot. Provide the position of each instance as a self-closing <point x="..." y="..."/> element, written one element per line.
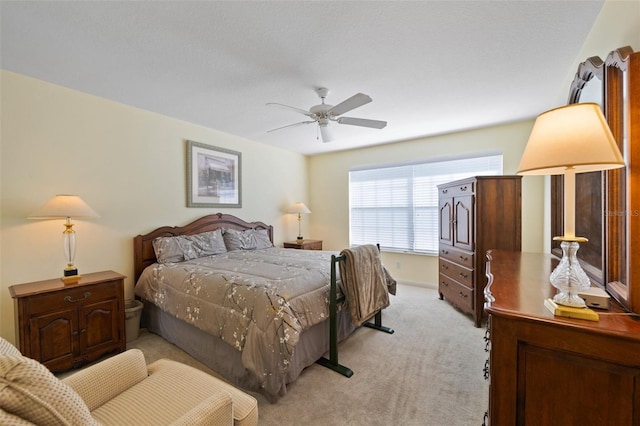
<point x="431" y="67"/>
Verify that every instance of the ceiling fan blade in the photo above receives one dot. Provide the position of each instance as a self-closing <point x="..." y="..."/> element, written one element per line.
<point x="299" y="110"/>
<point x="291" y="125"/>
<point x="376" y="124"/>
<point x="353" y="102"/>
<point x="325" y="133"/>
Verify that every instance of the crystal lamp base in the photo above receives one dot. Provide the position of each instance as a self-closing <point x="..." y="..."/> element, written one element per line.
<point x="569" y="277"/>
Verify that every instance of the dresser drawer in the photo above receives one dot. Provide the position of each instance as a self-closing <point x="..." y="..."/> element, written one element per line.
<point x="459" y="295"/>
<point x="462" y="188"/>
<point x="455" y="255"/>
<point x="459" y="273"/>
<point x="70" y="297"/>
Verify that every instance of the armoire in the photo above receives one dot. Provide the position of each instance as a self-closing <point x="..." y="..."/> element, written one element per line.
<point x="475" y="214"/>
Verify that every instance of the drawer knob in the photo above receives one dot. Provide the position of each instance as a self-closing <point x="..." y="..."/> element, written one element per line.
<point x="464" y="258"/>
<point x="464" y="296"/>
<point x="464" y="275"/>
<point x="70" y="300"/>
<point x="444" y="284"/>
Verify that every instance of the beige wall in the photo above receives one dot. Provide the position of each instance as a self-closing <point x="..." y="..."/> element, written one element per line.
<point x="329" y="192"/>
<point x="126" y="163"/>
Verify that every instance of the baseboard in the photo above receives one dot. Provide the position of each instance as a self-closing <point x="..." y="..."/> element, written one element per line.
<point x="418" y="284"/>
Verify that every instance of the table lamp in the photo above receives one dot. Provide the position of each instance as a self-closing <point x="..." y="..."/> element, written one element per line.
<point x="565" y="141"/>
<point x="300" y="209"/>
<point x="66" y="207"/>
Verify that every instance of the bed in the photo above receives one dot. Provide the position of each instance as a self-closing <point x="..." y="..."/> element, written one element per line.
<point x="254" y="313"/>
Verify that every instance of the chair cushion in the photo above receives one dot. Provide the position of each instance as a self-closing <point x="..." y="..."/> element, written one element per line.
<point x="30" y="391"/>
<point x="245" y="406"/>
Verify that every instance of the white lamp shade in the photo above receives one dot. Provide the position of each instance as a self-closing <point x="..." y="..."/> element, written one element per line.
<point x="574" y="136"/>
<point x="63" y="206"/>
<point x="300" y="208"/>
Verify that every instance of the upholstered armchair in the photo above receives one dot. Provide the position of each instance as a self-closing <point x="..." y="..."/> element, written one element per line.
<point x="119" y="390"/>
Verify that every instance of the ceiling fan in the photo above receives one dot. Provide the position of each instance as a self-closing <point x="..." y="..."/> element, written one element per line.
<point x="325" y="113"/>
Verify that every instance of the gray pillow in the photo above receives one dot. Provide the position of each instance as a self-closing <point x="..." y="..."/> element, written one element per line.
<point x="208" y="243"/>
<point x="173" y="249"/>
<point x="251" y="239"/>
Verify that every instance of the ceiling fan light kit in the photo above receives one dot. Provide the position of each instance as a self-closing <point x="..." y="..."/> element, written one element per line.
<point x="323" y="114"/>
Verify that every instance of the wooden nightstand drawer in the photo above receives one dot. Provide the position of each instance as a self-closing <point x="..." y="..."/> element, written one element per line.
<point x="70" y="298"/>
<point x="304" y="245"/>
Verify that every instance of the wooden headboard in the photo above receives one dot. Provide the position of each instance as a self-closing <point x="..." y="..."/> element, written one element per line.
<point x="144" y="255"/>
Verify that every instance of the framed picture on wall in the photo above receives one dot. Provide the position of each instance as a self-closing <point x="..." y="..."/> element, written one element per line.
<point x="213" y="176"/>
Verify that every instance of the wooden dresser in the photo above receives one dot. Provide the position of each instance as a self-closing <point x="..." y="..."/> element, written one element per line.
<point x="546" y="370"/>
<point x="66" y="326"/>
<point x="476" y="214"/>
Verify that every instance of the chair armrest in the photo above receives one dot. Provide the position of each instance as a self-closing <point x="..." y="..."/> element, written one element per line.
<point x="215" y="410"/>
<point x="101" y="382"/>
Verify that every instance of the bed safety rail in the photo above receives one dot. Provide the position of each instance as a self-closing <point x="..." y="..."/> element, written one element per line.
<point x="334" y="300"/>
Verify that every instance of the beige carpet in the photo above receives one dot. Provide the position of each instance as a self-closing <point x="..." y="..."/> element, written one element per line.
<point x="429" y="372"/>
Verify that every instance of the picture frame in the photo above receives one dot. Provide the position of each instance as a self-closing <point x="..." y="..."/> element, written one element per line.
<point x="214" y="176"/>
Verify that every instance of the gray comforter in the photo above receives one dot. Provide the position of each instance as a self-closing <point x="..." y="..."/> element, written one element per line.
<point x="257" y="301"/>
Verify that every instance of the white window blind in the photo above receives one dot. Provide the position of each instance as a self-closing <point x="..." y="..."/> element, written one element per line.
<point x="396" y="206"/>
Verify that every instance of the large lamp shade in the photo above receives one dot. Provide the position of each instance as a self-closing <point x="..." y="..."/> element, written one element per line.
<point x="575" y="136"/>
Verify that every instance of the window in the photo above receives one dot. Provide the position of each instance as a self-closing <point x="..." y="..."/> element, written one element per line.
<point x="396" y="206"/>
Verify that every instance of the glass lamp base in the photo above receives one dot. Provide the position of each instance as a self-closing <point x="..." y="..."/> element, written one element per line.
<point x="569" y="277"/>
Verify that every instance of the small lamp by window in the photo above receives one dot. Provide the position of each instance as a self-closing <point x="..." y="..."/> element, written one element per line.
<point x="300" y="209"/>
<point x="66" y="207"/>
<point x="565" y="141"/>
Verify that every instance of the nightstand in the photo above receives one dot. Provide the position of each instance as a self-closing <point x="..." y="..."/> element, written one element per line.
<point x="304" y="245"/>
<point x="66" y="326"/>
